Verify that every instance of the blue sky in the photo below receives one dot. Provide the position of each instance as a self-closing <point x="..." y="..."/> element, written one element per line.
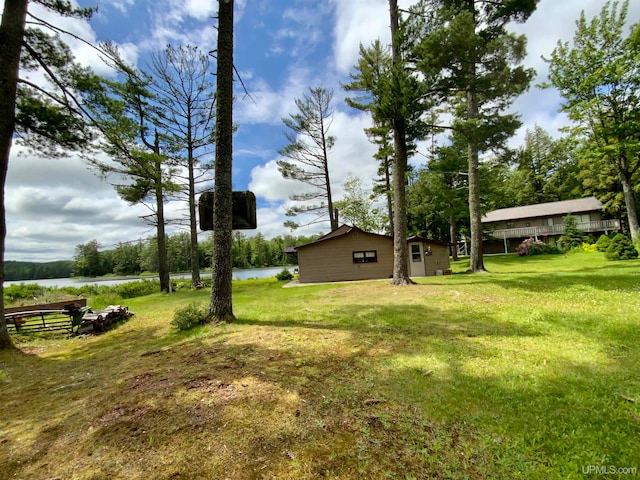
<point x="282" y="47"/>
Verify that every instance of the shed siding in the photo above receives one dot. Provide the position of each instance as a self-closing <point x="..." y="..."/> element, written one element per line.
<point x="332" y="260"/>
<point x="438" y="260"/>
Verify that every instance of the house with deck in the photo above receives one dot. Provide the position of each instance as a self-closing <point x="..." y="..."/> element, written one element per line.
<point x="506" y="228"/>
<point x="350" y="253"/>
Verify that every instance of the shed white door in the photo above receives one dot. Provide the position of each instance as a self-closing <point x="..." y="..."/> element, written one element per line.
<point x="416" y="260"/>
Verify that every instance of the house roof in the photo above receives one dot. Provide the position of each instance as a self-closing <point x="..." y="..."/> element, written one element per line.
<point x="345" y="229"/>
<point x="418" y="238"/>
<point x="342" y="230"/>
<point x="565" y="207"/>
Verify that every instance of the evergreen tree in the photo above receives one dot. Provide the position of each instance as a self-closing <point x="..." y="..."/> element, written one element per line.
<point x="42" y="119"/>
<point x="306" y="157"/>
<point x="127" y="116"/>
<point x="438" y="196"/>
<point x="395" y="98"/>
<point x="182" y="86"/>
<point x="467" y="45"/>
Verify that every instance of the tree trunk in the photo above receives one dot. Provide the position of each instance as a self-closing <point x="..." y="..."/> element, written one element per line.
<point x="452" y="236"/>
<point x="630" y="204"/>
<point x="193" y="226"/>
<point x="388" y="194"/>
<point x="221" y="307"/>
<point x="400" y="248"/>
<point x="163" y="267"/>
<point x="476" y="261"/>
<point x="11" y="35"/>
<point x="333" y="217"/>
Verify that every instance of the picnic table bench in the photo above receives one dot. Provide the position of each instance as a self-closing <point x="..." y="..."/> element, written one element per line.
<point x="43" y="320"/>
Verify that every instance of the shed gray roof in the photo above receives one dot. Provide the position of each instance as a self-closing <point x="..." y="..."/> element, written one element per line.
<point x="580" y="205"/>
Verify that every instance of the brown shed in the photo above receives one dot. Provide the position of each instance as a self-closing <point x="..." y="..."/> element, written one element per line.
<point x="349" y="253"/>
<point x="427" y="257"/>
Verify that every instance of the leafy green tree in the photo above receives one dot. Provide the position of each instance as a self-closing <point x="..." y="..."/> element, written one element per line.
<point x="221" y="302"/>
<point x="44" y="120"/>
<point x="467" y="45"/>
<point x="89" y="261"/>
<point x="357" y="208"/>
<point x="543" y="170"/>
<point x="394" y="97"/>
<point x="306" y="157"/>
<point x="126" y="258"/>
<point x="438" y="196"/>
<point x="149" y="255"/>
<point x="598" y="77"/>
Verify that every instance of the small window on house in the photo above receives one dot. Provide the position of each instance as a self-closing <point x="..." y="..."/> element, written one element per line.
<point x="415" y="253"/>
<point x="510" y="224"/>
<point x="528" y="224"/>
<point x="550" y="222"/>
<point x="370" y="256"/>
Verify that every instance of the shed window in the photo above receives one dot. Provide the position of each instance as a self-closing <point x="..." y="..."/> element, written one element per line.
<point x="370" y="256"/>
<point x="415" y="253"/>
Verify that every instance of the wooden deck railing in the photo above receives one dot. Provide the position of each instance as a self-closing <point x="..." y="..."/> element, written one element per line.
<point x="527" y="232"/>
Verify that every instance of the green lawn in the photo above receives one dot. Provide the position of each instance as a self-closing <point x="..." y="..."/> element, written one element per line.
<point x="529" y="371"/>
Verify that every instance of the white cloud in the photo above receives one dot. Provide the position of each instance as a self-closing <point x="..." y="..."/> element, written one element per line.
<point x="359" y="22"/>
<point x="198" y="9"/>
<point x="266" y="104"/>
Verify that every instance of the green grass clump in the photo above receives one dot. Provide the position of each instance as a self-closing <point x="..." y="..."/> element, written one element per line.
<point x="526" y="372"/>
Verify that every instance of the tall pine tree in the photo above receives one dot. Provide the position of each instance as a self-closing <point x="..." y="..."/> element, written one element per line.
<point x="466" y="43"/>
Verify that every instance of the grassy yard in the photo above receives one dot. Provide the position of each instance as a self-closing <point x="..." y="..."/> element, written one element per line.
<point x="530" y="371"/>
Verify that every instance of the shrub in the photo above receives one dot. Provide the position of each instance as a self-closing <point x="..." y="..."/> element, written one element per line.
<point x="621" y="248"/>
<point x="138" y="288"/>
<point x="22" y="291"/>
<point x="192" y="315"/>
<point x="284" y="275"/>
<point x="535" y="247"/>
<point x="603" y="243"/>
<point x="589" y="247"/>
<point x="573" y="236"/>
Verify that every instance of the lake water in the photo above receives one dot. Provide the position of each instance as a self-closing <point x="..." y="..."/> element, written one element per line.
<point x="73" y="282"/>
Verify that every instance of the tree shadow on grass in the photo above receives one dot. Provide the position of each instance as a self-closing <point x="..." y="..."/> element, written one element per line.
<point x="409" y="321"/>
<point x="542" y="423"/>
<point x="550" y="282"/>
<point x="294" y="411"/>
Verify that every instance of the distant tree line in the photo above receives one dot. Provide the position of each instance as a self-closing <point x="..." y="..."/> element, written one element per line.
<point x="133" y="258"/>
<point x="34" y="271"/>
